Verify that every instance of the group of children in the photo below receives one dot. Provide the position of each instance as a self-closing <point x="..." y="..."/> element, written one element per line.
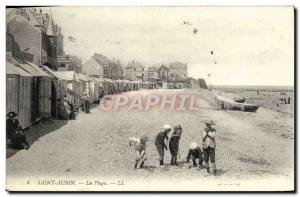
<point x="203" y="153"/>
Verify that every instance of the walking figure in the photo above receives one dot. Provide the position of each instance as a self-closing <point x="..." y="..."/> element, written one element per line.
<point x="160" y="144"/>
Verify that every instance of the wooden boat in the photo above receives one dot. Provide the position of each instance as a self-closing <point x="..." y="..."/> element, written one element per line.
<point x="240" y="100"/>
<point x="230" y="104"/>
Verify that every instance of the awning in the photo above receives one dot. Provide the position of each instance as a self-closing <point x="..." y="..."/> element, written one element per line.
<point x="16" y="70"/>
<point x="67" y="75"/>
<point x="28" y="67"/>
<point x="49" y="71"/>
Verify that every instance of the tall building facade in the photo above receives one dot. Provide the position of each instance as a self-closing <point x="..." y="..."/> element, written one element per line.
<point x="69" y="63"/>
<point x="36" y="33"/>
<point x="135" y="71"/>
<point x="178" y="71"/>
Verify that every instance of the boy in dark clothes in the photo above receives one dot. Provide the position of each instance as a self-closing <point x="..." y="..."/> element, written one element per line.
<point x="209" y="146"/>
<point x="195" y="153"/>
<point x="174" y="144"/>
<point x="160" y="142"/>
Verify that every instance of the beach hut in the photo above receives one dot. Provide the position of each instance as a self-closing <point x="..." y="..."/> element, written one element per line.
<point x="135" y="85"/>
<point x="120" y="86"/>
<point x="97" y="88"/>
<point x="58" y="91"/>
<point x="73" y="86"/>
<point x="84" y="83"/>
<point x="44" y="89"/>
<point x="90" y="86"/>
<point x="41" y="89"/>
<point x="126" y="85"/>
<point x="109" y="86"/>
<point x="19" y="93"/>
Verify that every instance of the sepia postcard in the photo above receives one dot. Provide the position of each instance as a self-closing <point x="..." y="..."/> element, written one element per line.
<point x="150" y="99"/>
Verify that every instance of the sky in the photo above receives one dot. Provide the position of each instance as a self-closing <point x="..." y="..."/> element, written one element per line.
<point x="251" y="45"/>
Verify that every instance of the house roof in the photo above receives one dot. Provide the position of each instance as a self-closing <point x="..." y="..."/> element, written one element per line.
<point x="163" y="67"/>
<point x="177" y="64"/>
<point x="42" y="21"/>
<point x="101" y="59"/>
<point x="134" y="64"/>
<point x="50" y="27"/>
<point x="97" y="79"/>
<point x="152" y="68"/>
<point x="84" y="77"/>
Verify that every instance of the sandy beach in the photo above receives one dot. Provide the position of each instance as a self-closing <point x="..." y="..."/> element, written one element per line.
<point x="250" y="146"/>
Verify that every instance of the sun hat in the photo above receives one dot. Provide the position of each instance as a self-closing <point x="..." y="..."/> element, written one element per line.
<point x="193" y="145"/>
<point x="144" y="138"/>
<point x="177" y="127"/>
<point x="12" y="114"/>
<point x="210" y="122"/>
<point x="167" y="126"/>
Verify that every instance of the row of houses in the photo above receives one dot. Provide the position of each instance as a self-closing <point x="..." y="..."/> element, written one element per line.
<point x="175" y="71"/>
<point x="100" y="66"/>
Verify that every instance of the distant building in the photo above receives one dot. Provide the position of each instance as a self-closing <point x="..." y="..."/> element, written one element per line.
<point x="177" y="71"/>
<point x="116" y="70"/>
<point x="100" y="66"/>
<point x="96" y="66"/>
<point x="163" y="73"/>
<point x="36" y="33"/>
<point x="152" y="74"/>
<point x="69" y="63"/>
<point x="135" y="71"/>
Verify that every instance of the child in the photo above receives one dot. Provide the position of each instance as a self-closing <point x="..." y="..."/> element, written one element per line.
<point x="140" y="148"/>
<point x="174" y="144"/>
<point x="195" y="153"/>
<point x="209" y="145"/>
<point x="160" y="144"/>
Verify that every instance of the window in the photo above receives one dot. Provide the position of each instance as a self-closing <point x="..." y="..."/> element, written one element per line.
<point x="105" y="70"/>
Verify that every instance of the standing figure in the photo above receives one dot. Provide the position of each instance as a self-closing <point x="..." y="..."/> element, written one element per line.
<point x="209" y="145"/>
<point x="140" y="149"/>
<point x="67" y="108"/>
<point x="15" y="132"/>
<point x="160" y="142"/>
<point x="195" y="153"/>
<point x="86" y="102"/>
<point x="174" y="144"/>
<point x="73" y="112"/>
